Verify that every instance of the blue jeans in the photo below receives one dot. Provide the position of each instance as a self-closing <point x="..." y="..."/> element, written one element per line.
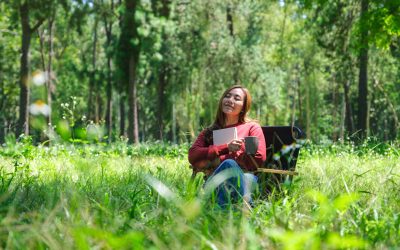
<point x="231" y="184"/>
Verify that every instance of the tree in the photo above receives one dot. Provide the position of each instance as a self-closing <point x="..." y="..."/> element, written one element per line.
<point x="363" y="107"/>
<point x="108" y="14"/>
<point x="25" y="11"/>
<point x="129" y="45"/>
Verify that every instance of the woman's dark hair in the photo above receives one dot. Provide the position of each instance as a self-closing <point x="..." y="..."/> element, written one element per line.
<point x="219" y="121"/>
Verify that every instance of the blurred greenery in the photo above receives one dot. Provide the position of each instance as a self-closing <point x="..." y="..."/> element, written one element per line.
<point x="299" y="59"/>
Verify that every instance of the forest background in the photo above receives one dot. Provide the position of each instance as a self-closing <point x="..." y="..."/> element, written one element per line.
<point x="149" y="70"/>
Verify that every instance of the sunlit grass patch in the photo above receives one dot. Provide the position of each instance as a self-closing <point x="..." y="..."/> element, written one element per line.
<point x="131" y="197"/>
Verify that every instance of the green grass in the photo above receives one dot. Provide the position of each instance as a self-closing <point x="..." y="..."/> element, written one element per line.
<point x="121" y="197"/>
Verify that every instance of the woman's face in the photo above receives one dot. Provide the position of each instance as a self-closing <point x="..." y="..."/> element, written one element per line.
<point x="232" y="103"/>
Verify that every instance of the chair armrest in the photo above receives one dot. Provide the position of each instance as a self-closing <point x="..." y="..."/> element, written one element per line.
<point x="276" y="171"/>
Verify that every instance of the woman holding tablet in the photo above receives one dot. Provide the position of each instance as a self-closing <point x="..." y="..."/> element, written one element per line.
<point x="229" y="162"/>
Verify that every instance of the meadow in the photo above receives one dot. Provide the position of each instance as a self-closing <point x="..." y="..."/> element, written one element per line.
<point x="142" y="197"/>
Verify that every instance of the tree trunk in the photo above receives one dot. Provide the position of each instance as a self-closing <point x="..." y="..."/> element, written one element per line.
<point x="108" y="28"/>
<point x="98" y="104"/>
<point x="363" y="74"/>
<point x="2" y="105"/>
<point x="2" y="129"/>
<point x="109" y="100"/>
<point x="342" y="119"/>
<point x="162" y="82"/>
<point x="282" y="36"/>
<point x="163" y="74"/>
<point x="316" y="106"/>
<point x="41" y="48"/>
<point x="23" y="121"/>
<point x="92" y="81"/>
<point x="335" y="109"/>
<point x="173" y="122"/>
<point x="308" y="111"/>
<point x="299" y="97"/>
<point x="121" y="87"/>
<point x="49" y="69"/>
<point x="130" y="29"/>
<point x="122" y="115"/>
<point x="349" y="112"/>
<point x="133" y="131"/>
<point x="293" y="112"/>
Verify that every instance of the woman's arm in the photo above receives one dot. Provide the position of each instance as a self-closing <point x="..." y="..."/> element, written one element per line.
<point x="201" y="153"/>
<point x="261" y="154"/>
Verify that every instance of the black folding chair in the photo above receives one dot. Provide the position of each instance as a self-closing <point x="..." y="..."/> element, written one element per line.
<point x="283" y="145"/>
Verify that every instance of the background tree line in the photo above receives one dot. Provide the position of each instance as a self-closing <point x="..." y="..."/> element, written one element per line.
<point x="154" y="69"/>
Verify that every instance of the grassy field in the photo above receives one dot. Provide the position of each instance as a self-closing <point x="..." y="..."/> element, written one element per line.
<point x="121" y="197"/>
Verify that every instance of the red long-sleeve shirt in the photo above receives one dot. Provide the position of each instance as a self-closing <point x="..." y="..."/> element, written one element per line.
<point x="200" y="152"/>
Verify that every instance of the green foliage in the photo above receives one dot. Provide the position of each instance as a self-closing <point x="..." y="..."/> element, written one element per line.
<point x="296" y="58"/>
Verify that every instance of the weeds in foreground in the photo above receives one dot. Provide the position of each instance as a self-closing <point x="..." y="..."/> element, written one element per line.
<point x="139" y="197"/>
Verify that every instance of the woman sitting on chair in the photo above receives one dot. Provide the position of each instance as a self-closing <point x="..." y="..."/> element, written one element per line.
<point x="230" y="158"/>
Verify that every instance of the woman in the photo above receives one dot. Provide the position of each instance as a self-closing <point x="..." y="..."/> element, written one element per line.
<point x="214" y="159"/>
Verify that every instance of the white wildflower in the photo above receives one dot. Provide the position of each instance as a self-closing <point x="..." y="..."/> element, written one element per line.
<point x="39" y="107"/>
<point x="39" y="78"/>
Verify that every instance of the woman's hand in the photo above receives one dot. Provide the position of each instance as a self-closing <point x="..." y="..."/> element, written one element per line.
<point x="235" y="145"/>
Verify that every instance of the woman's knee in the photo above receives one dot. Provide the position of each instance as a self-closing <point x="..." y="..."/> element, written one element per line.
<point x="229" y="163"/>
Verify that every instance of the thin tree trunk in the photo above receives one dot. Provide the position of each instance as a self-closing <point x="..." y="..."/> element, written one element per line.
<point x="335" y="107"/>
<point x="99" y="103"/>
<point x="293" y="118"/>
<point x="49" y="69"/>
<point x="161" y="99"/>
<point x="2" y="106"/>
<point x="23" y="121"/>
<point x="122" y="115"/>
<point x="173" y="122"/>
<point x="308" y="111"/>
<point x="342" y="119"/>
<point x="92" y="81"/>
<point x="349" y="112"/>
<point x="133" y="131"/>
<point x="2" y="129"/>
<point x="41" y="48"/>
<point x="129" y="29"/>
<point x="163" y="74"/>
<point x="282" y="38"/>
<point x="109" y="100"/>
<point x="122" y="90"/>
<point x="299" y="98"/>
<point x="108" y="28"/>
<point x="316" y="107"/>
<point x="363" y="75"/>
